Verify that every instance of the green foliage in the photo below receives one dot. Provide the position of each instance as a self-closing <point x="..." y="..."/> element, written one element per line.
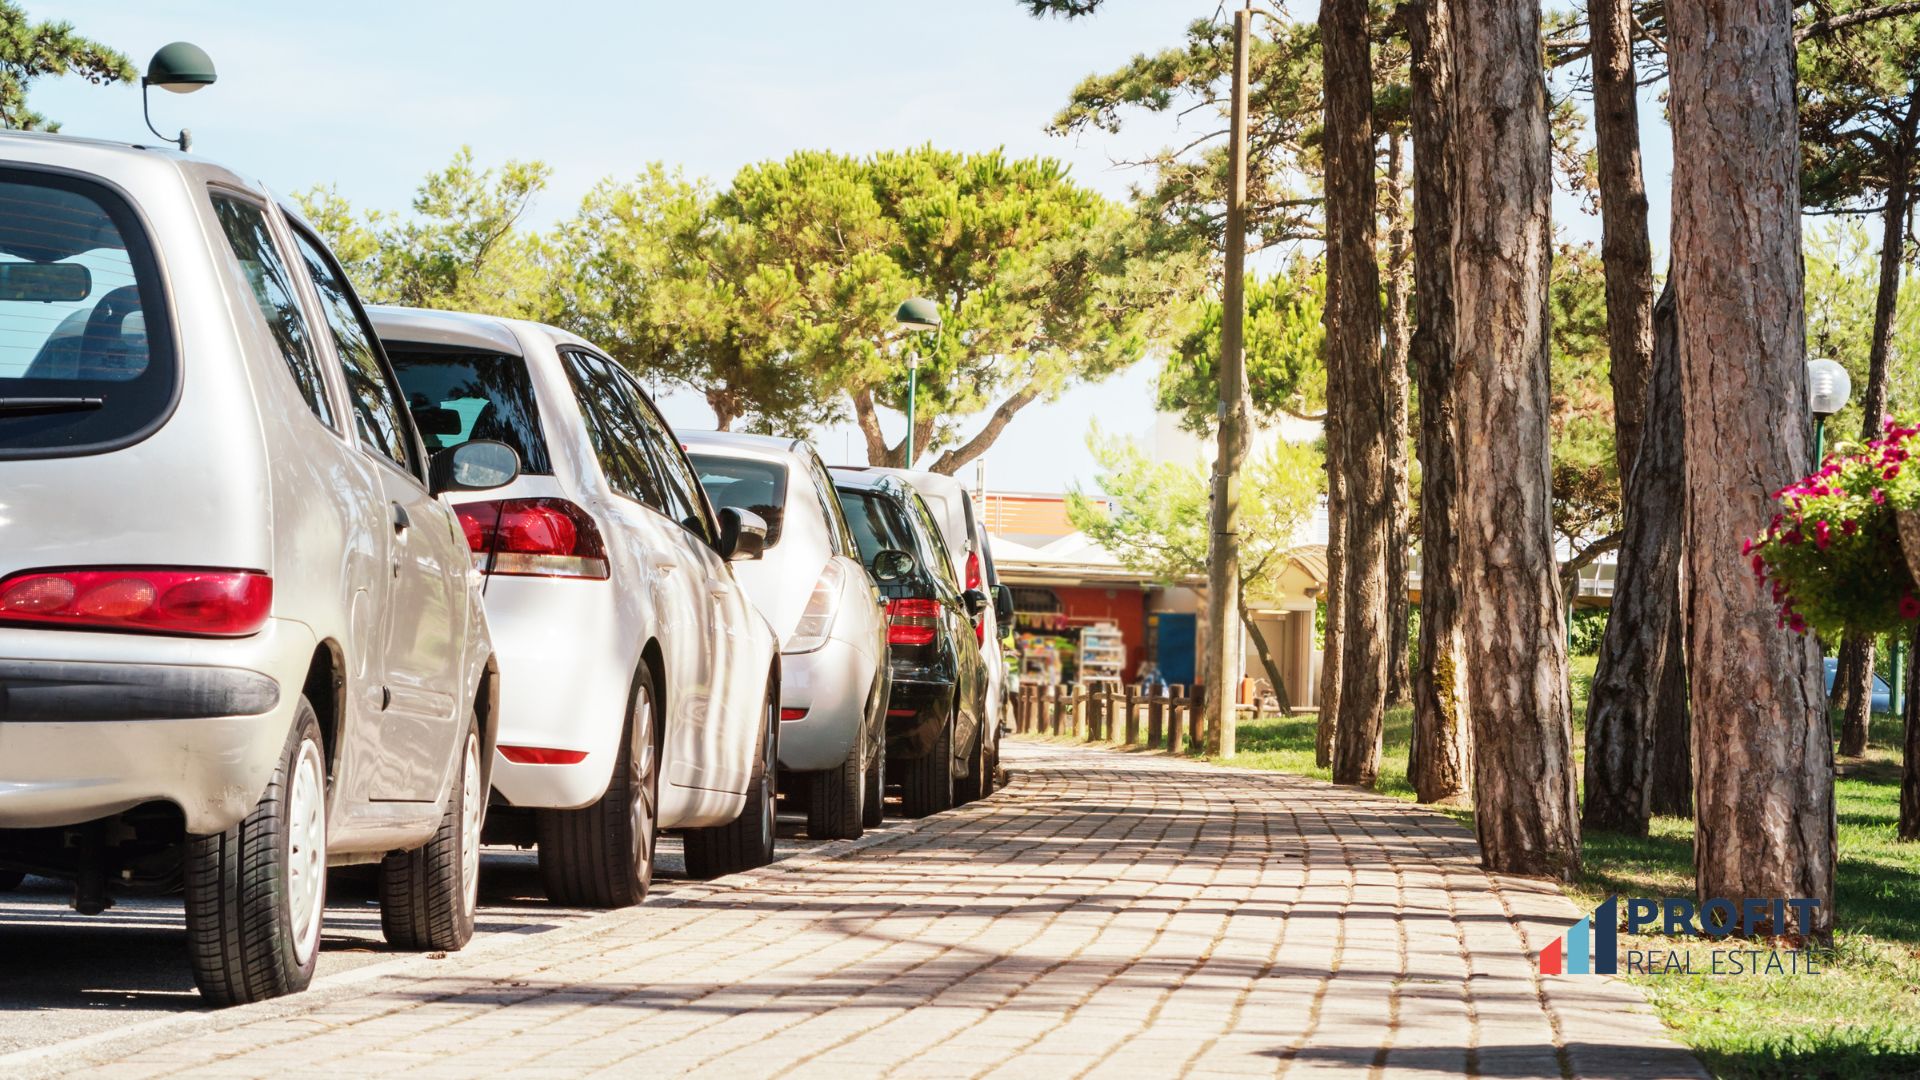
<point x="1856" y="125"/>
<point x="1285" y="345"/>
<point x="1833" y="552"/>
<point x="1589" y="627"/>
<point x="1586" y="474"/>
<point x="29" y="50"/>
<point x="1157" y="523"/>
<point x="1842" y="280"/>
<point x="462" y="248"/>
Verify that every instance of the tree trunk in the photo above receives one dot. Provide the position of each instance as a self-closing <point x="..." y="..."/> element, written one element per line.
<point x="1331" y="638"/>
<point x="1524" y="791"/>
<point x="1853" y="679"/>
<point x="1893" y="249"/>
<point x="1763" y="761"/>
<point x="1398" y="465"/>
<point x="1267" y="661"/>
<point x="1626" y="252"/>
<point x="1910" y="755"/>
<point x="1353" y="347"/>
<point x="1640" y="681"/>
<point x="1440" y="759"/>
<point x="1853" y="684"/>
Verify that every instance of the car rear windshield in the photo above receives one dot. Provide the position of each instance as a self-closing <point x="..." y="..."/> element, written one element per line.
<point x="86" y="357"/>
<point x="457" y="395"/>
<point x="744" y="484"/>
<point x="879" y="523"/>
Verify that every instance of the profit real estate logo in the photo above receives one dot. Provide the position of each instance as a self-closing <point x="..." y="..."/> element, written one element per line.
<point x="1592" y="945"/>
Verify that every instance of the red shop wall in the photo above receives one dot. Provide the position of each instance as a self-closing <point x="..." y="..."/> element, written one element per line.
<point x="1125" y="608"/>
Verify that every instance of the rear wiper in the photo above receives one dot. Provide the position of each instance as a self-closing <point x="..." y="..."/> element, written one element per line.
<point x="31" y="406"/>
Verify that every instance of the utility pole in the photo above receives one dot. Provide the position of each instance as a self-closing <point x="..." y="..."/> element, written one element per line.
<point x="1224" y="661"/>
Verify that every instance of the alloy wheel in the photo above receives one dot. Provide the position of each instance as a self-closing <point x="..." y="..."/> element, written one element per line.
<point x="306" y="849"/>
<point x="472" y="807"/>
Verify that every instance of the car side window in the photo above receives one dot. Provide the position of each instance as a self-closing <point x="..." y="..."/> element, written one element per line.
<point x="837" y="532"/>
<point x="270" y="282"/>
<point x="686" y="501"/>
<point x="615" y="436"/>
<point x="379" y="410"/>
<point x="942" y="566"/>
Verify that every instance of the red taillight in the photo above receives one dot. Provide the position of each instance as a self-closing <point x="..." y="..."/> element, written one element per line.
<point x="912" y="621"/>
<point x="973" y="582"/>
<point x="542" y="755"/>
<point x="792" y="714"/>
<point x="207" y="603"/>
<point x="533" y="538"/>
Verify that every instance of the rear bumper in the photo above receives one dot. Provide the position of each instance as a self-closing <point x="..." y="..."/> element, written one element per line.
<point x="197" y="723"/>
<point x="915" y="713"/>
<point x="831" y="684"/>
<point x="566" y="669"/>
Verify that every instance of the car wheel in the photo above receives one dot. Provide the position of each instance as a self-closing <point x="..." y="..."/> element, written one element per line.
<point x="836" y="804"/>
<point x="747" y="841"/>
<point x="927" y="786"/>
<point x="602" y="855"/>
<point x="256" y="894"/>
<point x="976" y="784"/>
<point x="873" y="813"/>
<point x="428" y="895"/>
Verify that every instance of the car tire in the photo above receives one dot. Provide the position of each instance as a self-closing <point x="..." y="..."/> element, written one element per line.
<point x="873" y="813"/>
<point x="978" y="783"/>
<point x="602" y="855"/>
<point x="927" y="788"/>
<point x="256" y="893"/>
<point x="745" y="842"/>
<point x="428" y="895"/>
<point x="836" y="801"/>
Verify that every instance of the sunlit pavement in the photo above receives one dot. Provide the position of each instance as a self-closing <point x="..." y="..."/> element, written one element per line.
<point x="1108" y="914"/>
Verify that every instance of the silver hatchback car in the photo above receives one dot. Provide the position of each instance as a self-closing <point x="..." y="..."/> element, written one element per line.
<point x="240" y="636"/>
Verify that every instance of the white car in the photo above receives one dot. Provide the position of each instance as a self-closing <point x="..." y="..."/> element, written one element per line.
<point x="240" y="641"/>
<point x="972" y="555"/>
<point x="830" y="618"/>
<point x="641" y="688"/>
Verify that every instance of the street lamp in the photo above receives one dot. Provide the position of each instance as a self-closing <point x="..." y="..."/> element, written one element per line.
<point x="915" y="314"/>
<point x="1828" y="388"/>
<point x="182" y="68"/>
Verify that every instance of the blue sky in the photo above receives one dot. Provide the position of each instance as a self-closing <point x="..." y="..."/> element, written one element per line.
<point x="372" y="96"/>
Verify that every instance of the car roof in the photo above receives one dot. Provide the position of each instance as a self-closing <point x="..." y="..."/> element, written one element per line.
<point x="462" y="329"/>
<point x="744" y="444"/>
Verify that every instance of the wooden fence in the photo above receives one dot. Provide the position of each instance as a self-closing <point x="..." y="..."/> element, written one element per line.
<point x="1172" y="718"/>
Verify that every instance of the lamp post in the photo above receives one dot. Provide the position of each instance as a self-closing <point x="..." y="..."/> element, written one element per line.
<point x="915" y="314"/>
<point x="1828" y="388"/>
<point x="181" y="68"/>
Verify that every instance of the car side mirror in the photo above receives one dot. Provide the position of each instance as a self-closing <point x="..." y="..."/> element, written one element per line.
<point x="892" y="565"/>
<point x="976" y="602"/>
<point x="743" y="535"/>
<point x="480" y="465"/>
<point x="1003" y="607"/>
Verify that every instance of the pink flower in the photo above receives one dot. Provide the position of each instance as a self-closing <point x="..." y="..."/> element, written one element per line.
<point x="1849" y="526"/>
<point x="1892" y="472"/>
<point x="1910" y="606"/>
<point x="1759" y="566"/>
<point x="1797" y="624"/>
<point x="1821" y="533"/>
<point x="1793" y="536"/>
<point x="1879" y="497"/>
<point x="1746" y="547"/>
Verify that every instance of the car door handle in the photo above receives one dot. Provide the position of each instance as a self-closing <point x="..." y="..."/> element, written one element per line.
<point x="662" y="564"/>
<point x="400" y="519"/>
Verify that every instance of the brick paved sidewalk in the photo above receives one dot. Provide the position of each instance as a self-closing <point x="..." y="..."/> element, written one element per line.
<point x="1107" y="915"/>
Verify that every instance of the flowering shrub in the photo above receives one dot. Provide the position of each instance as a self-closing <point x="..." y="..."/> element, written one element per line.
<point x="1832" y="554"/>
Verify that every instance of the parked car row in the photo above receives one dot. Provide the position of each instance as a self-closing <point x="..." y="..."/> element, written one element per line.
<point x="289" y="583"/>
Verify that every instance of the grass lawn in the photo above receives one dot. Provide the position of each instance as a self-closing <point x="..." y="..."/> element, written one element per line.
<point x="1860" y="1016"/>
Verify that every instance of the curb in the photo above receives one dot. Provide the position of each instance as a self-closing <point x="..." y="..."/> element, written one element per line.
<point x="56" y="1059"/>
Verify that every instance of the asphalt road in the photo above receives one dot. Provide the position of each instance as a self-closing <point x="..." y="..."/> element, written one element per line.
<point x="64" y="975"/>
